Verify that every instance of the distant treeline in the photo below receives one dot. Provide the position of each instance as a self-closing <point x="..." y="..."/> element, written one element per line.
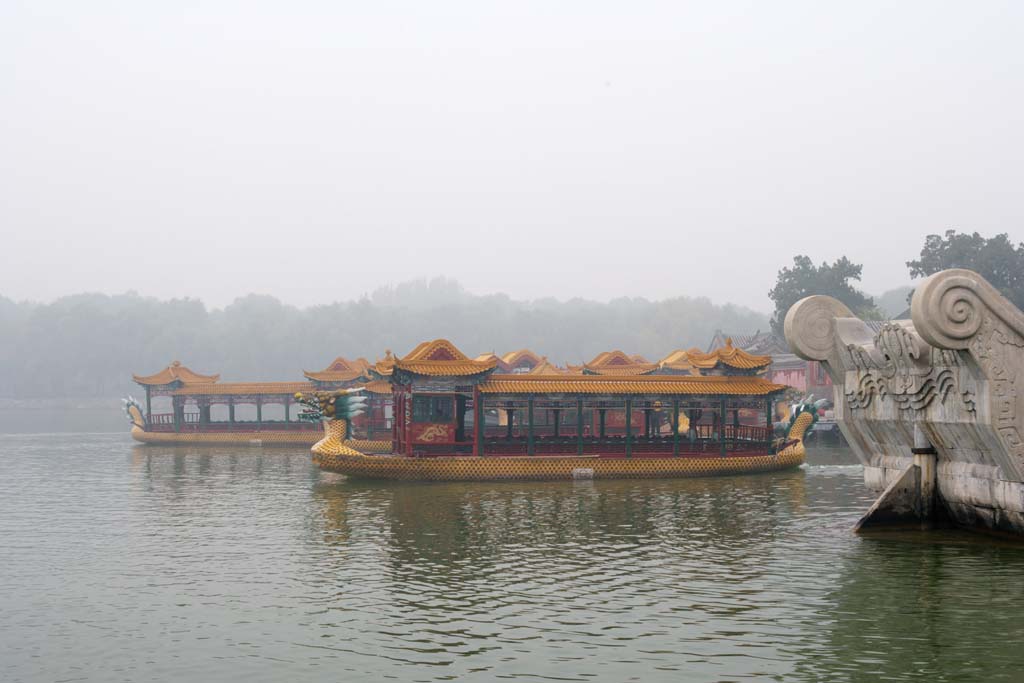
<point x="89" y="344"/>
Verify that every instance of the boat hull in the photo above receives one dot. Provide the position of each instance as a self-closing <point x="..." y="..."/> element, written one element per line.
<point x="550" y="468"/>
<point x="305" y="438"/>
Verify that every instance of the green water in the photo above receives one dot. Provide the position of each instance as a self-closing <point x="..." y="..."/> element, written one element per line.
<point x="130" y="563"/>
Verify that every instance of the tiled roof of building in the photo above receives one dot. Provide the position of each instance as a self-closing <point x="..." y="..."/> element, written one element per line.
<point x="244" y="388"/>
<point x="379" y="386"/>
<point x="651" y="385"/>
<point x="340" y="370"/>
<point x="677" y="360"/>
<point x="175" y="372"/>
<point x="440" y="358"/>
<point x="618" y="363"/>
<point x="545" y="367"/>
<point x="523" y="358"/>
<point x="730" y="355"/>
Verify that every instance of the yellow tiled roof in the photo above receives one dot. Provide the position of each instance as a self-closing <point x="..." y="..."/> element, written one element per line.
<point x="175" y="372"/>
<point x="514" y="359"/>
<point x="385" y="366"/>
<point x="236" y="388"/>
<point x="644" y="385"/>
<point x="379" y="386"/>
<point x="445" y="368"/>
<point x="440" y="358"/>
<point x="340" y="370"/>
<point x="730" y="355"/>
<point x="677" y="360"/>
<point x="545" y="367"/>
<point x="618" y="363"/>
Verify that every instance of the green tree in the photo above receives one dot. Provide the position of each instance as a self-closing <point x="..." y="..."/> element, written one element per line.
<point x="832" y="279"/>
<point x="994" y="258"/>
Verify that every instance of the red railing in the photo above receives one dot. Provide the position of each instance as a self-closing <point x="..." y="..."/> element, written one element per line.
<point x="164" y="422"/>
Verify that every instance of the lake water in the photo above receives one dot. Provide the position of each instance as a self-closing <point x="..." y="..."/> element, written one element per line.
<point x="121" y="562"/>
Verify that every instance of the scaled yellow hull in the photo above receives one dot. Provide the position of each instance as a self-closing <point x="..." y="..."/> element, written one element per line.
<point x="496" y="468"/>
<point x="334" y="453"/>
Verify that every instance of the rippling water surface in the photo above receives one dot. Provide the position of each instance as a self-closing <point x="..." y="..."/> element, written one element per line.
<point x="123" y="562"/>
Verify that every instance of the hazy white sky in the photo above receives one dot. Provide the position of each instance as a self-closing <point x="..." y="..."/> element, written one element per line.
<point x="317" y="150"/>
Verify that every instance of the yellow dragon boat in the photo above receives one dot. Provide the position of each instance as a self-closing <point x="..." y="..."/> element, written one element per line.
<point x="457" y="419"/>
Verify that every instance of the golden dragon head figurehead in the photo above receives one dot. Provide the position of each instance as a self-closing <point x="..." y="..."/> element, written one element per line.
<point x="133" y="410"/>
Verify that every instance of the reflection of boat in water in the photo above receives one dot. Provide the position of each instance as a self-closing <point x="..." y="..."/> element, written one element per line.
<point x="622" y="419"/>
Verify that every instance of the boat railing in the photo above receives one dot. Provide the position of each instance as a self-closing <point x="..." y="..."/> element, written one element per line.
<point x="164" y="422"/>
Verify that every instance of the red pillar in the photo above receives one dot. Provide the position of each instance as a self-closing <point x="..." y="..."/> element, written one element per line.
<point x="407" y="421"/>
<point x="476" y="418"/>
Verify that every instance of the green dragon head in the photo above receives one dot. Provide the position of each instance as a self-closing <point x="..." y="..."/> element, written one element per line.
<point x="341" y="404"/>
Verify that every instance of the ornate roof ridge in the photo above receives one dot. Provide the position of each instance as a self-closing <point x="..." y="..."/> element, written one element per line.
<point x="513" y="357"/>
<point x="546" y="367"/>
<point x="436" y="350"/>
<point x="175" y="372"/>
<point x="441" y="358"/>
<point x="618" y="362"/>
<point x="730" y="355"/>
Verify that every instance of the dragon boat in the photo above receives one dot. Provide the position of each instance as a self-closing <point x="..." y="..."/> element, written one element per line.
<point x="461" y="419"/>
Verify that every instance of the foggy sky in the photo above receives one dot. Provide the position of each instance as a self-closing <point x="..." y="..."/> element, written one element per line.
<point x="318" y="150"/>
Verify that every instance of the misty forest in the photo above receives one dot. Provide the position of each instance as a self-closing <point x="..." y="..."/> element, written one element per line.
<point x="87" y="345"/>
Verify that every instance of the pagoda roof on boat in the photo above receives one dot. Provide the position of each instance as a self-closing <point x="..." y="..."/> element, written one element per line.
<point x="341" y="369"/>
<point x="618" y="363"/>
<point x="679" y="360"/>
<point x="652" y="385"/>
<point x="378" y="386"/>
<point x="384" y="366"/>
<point x="441" y="358"/>
<point x="521" y="358"/>
<point x="729" y="355"/>
<point x="546" y="367"/>
<point x="244" y="388"/>
<point x="175" y="372"/>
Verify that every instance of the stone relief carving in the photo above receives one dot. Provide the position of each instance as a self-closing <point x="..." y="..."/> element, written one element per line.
<point x="901" y="367"/>
<point x="958" y="309"/>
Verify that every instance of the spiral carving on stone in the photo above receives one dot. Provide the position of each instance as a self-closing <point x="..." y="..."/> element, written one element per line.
<point x="948" y="307"/>
<point x="809" y="326"/>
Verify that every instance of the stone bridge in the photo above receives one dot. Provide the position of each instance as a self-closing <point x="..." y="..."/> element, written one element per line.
<point x="932" y="406"/>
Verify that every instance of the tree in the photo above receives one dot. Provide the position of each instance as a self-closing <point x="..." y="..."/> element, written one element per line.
<point x="994" y="258"/>
<point x="805" y="279"/>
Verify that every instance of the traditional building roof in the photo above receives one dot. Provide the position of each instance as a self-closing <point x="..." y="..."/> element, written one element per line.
<point x="244" y="388"/>
<point x="384" y="366"/>
<point x="729" y="355"/>
<point x="760" y="343"/>
<point x="378" y="386"/>
<point x="523" y="358"/>
<point x="545" y="367"/>
<point x="440" y="358"/>
<point x="175" y="372"/>
<point x="648" y="385"/>
<point x="678" y="361"/>
<point x="618" y="363"/>
<point x="340" y="370"/>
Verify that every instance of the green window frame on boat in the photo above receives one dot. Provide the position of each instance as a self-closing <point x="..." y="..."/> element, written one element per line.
<point x="435" y="409"/>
